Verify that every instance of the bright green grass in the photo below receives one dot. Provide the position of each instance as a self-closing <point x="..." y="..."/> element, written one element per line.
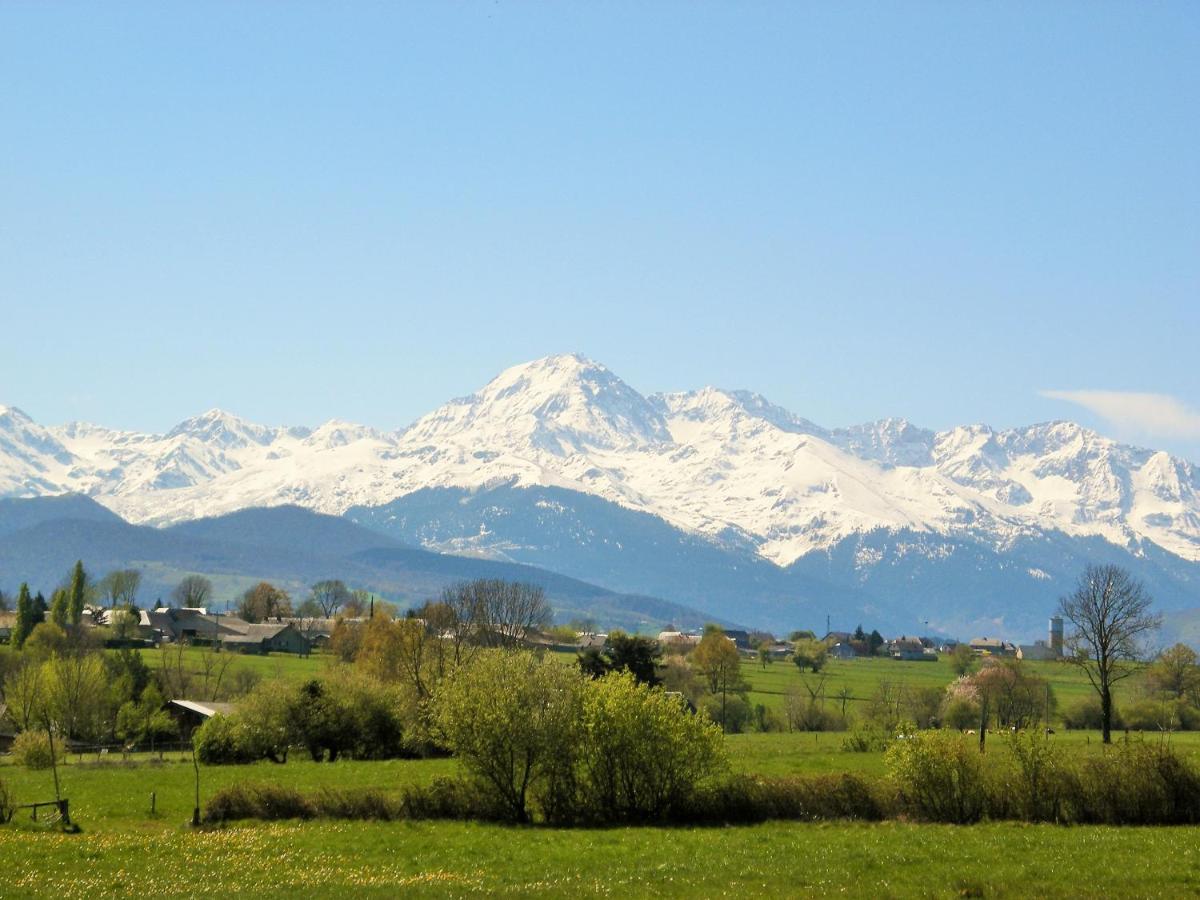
<point x="288" y="666"/>
<point x="862" y="677"/>
<point x="124" y="851"/>
<point x="455" y="859"/>
<point x="112" y="793"/>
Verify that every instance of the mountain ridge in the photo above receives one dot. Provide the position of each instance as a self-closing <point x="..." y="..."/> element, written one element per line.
<point x="728" y="468"/>
<point x="710" y="461"/>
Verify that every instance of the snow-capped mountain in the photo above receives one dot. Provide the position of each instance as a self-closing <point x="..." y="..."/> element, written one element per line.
<point x="727" y="465"/>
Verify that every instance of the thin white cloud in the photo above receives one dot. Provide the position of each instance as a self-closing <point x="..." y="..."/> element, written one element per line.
<point x="1159" y="415"/>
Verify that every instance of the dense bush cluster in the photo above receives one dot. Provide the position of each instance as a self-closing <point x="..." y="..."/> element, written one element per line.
<point x="344" y="714"/>
<point x="542" y="737"/>
<point x="443" y="798"/>
<point x="942" y="778"/>
<point x="32" y="749"/>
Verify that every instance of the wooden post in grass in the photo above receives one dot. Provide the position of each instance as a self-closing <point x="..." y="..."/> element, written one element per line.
<point x="53" y="759"/>
<point x="983" y="720"/>
<point x="196" y="808"/>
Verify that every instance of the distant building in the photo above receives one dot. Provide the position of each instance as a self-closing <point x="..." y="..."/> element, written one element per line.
<point x="740" y="638"/>
<point x="911" y="649"/>
<point x="842" y="650"/>
<point x="191" y="714"/>
<point x="267" y="638"/>
<point x="591" y="642"/>
<point x="678" y="639"/>
<point x="985" y="646"/>
<point x="1038" y="650"/>
<point x="197" y="626"/>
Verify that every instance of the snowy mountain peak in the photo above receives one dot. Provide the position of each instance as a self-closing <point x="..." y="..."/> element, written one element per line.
<point x="223" y="429"/>
<point x="560" y="405"/>
<point x="730" y="465"/>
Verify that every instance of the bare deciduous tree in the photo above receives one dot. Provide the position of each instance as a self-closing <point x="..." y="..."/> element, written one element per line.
<point x="120" y="587"/>
<point x="192" y="591"/>
<point x="331" y="595"/>
<point x="1110" y="612"/>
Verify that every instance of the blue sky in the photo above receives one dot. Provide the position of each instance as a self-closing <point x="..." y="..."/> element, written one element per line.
<point x="302" y="211"/>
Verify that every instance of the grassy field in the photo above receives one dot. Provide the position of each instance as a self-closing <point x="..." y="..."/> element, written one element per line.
<point x="125" y="851"/>
<point x="861" y="677"/>
<point x="453" y="860"/>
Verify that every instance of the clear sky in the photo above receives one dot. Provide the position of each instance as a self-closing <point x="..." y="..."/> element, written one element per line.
<point x="299" y="211"/>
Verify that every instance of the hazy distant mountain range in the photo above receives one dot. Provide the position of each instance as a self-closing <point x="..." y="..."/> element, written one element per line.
<point x="713" y="499"/>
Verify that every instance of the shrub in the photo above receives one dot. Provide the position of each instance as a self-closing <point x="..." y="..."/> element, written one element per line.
<point x="642" y="751"/>
<point x="746" y="798"/>
<point x="1153" y="715"/>
<point x="805" y="713"/>
<point x="32" y="750"/>
<point x="359" y="805"/>
<point x="866" y="740"/>
<point x="960" y="713"/>
<point x="219" y="742"/>
<point x="257" y="801"/>
<point x="450" y="798"/>
<point x="1039" y="783"/>
<point x="939" y="776"/>
<point x="733" y="712"/>
<point x="7" y="802"/>
<point x="513" y="721"/>
<point x="1137" y="784"/>
<point x="1086" y="713"/>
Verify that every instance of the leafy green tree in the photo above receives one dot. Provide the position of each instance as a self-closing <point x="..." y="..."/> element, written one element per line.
<point x="321" y="723"/>
<point x="40" y="608"/>
<point x="144" y="721"/>
<point x="874" y="642"/>
<point x="512" y="721"/>
<point x="763" y="651"/>
<point x="264" y="601"/>
<point x="47" y="639"/>
<point x="77" y="594"/>
<point x="1175" y="673"/>
<point x="60" y="608"/>
<point x="963" y="659"/>
<point x="643" y="753"/>
<point x="622" y="652"/>
<point x="76" y="694"/>
<point x="717" y="660"/>
<point x="24" y="624"/>
<point x="811" y="655"/>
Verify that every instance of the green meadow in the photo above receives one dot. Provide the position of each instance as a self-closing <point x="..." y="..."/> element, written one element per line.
<point x="124" y="849"/>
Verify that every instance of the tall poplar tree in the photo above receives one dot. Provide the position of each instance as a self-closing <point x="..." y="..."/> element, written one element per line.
<point x="24" y="623"/>
<point x="59" y="603"/>
<point x="76" y="594"/>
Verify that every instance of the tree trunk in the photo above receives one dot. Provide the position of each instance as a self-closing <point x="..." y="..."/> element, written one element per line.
<point x="1106" y="713"/>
